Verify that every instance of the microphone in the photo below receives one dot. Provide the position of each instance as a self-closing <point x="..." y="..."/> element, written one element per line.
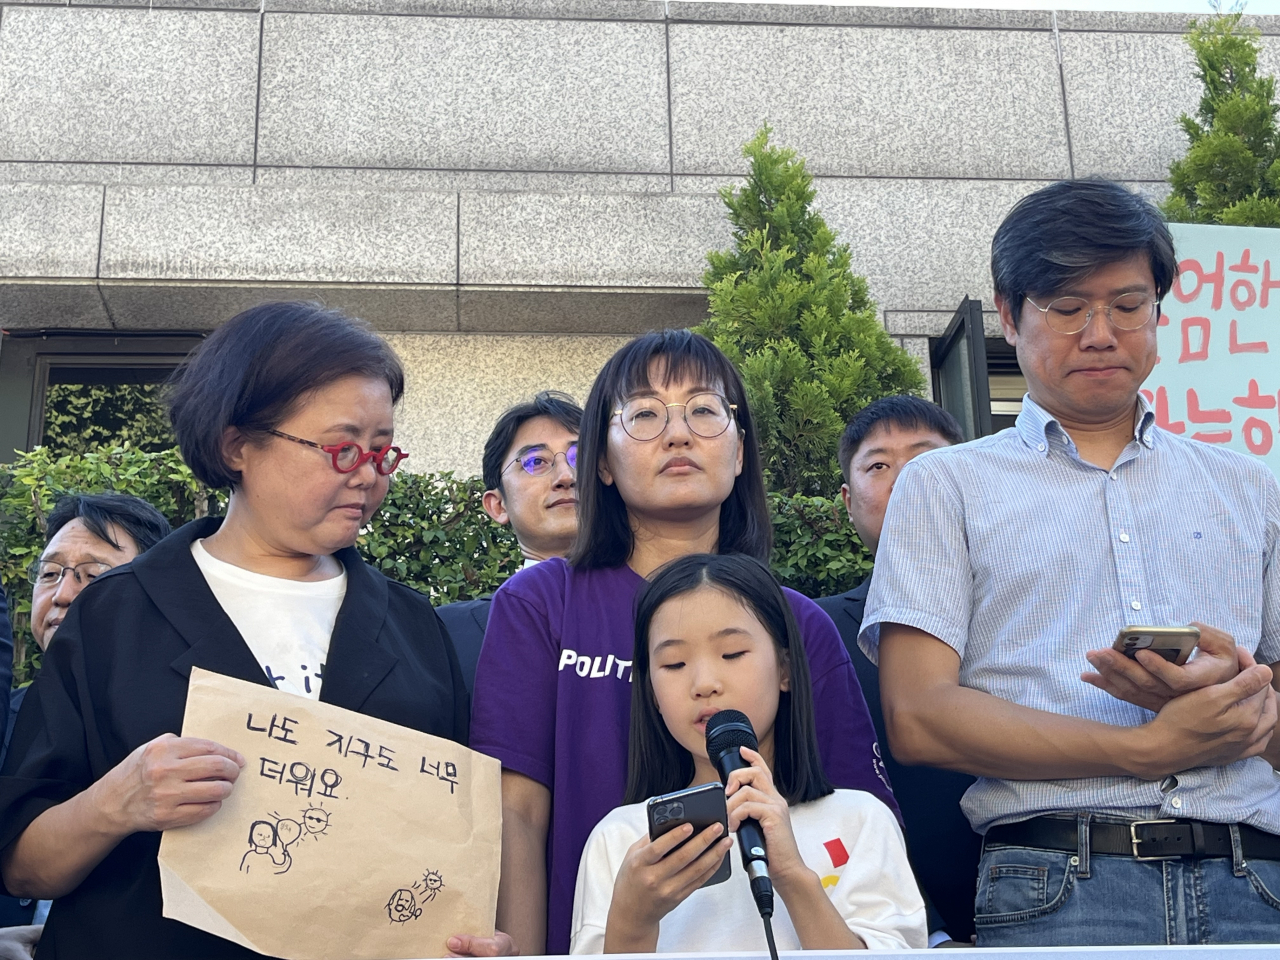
<point x="726" y="732"/>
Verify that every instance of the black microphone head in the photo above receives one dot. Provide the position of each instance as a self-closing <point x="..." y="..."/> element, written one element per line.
<point x="726" y="732"/>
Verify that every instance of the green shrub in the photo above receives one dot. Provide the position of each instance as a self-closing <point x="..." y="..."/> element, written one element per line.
<point x="431" y="532"/>
<point x="79" y="418"/>
<point x="815" y="549"/>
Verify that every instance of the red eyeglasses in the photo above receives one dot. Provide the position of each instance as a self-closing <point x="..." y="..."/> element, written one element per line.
<point x="349" y="456"/>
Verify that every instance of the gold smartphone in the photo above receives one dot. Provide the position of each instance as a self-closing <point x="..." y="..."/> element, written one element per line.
<point x="1173" y="643"/>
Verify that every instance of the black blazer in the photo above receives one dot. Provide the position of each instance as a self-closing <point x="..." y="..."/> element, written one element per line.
<point x="943" y="847"/>
<point x="115" y="677"/>
<point x="466" y="621"/>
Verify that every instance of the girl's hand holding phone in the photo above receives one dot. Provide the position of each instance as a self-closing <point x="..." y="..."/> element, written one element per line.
<point x="752" y="794"/>
<point x="655" y="878"/>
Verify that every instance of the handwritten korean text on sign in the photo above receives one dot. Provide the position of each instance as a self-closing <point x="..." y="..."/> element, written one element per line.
<point x="1218" y="377"/>
<point x="345" y="836"/>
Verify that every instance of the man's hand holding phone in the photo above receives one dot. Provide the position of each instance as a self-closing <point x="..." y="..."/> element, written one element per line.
<point x="1217" y="708"/>
<point x="1150" y="681"/>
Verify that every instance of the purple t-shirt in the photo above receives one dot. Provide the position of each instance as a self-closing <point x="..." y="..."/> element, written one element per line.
<point x="553" y="702"/>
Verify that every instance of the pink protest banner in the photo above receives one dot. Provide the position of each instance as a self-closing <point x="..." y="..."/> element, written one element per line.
<point x="1218" y="376"/>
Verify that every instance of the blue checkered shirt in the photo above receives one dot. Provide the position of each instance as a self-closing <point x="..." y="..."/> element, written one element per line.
<point x="1021" y="556"/>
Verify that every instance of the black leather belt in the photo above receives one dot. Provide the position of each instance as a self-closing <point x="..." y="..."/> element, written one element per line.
<point x="1140" y="839"/>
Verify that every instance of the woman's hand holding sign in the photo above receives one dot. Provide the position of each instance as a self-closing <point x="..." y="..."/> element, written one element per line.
<point x="168" y="782"/>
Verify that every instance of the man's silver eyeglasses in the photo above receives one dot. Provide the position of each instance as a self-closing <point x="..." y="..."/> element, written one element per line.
<point x="44" y="573"/>
<point x="708" y="415"/>
<point x="1129" y="311"/>
<point x="541" y="461"/>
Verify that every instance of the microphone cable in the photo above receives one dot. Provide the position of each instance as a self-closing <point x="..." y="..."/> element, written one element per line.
<point x="768" y="935"/>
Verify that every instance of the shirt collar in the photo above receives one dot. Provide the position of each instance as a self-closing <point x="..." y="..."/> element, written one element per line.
<point x="1039" y="429"/>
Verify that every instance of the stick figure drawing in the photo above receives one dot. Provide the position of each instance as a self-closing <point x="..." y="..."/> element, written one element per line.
<point x="262" y="840"/>
<point x="272" y="841"/>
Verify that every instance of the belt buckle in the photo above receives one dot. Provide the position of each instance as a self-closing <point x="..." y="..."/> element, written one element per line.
<point x="1133" y="838"/>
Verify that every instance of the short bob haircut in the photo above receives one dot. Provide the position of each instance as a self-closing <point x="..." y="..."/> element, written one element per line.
<point x="1059" y="235"/>
<point x="901" y="411"/>
<point x="656" y="763"/>
<point x="552" y="404"/>
<point x="252" y="372"/>
<point x="99" y="512"/>
<point x="604" y="531"/>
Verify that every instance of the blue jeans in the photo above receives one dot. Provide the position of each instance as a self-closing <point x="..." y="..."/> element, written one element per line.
<point x="1039" y="898"/>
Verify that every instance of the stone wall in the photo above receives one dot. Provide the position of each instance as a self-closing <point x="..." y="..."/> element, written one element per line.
<point x="534" y="167"/>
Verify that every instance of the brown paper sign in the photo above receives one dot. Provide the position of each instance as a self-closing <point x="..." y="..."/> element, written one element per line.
<point x="345" y="836"/>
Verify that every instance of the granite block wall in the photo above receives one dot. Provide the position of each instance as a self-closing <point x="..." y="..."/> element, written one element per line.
<point x="471" y="172"/>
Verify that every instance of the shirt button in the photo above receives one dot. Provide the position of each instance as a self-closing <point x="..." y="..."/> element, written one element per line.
<point x="1176" y="803"/>
<point x="1040" y="447"/>
<point x="1136" y="605"/>
<point x="1113" y="476"/>
<point x="1124" y="538"/>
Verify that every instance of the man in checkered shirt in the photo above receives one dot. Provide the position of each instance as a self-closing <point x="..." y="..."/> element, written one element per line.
<point x="1122" y="801"/>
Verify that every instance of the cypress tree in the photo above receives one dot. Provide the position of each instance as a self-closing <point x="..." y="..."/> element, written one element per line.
<point x="1231" y="172"/>
<point x="802" y="329"/>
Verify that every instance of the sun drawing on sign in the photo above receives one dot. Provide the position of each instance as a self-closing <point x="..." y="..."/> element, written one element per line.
<point x="316" y="820"/>
<point x="432" y="882"/>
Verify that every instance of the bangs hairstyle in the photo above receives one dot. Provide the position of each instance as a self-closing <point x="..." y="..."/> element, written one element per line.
<point x="1057" y="236"/>
<point x="604" y="530"/>
<point x="656" y="763"/>
<point x="254" y="369"/>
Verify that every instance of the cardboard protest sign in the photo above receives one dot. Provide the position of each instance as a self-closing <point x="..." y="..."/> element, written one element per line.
<point x="345" y="836"/>
<point x="1218" y="377"/>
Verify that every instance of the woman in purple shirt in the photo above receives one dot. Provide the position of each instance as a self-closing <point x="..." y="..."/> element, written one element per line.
<point x="670" y="465"/>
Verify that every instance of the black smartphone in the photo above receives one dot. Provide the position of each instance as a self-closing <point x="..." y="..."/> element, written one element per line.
<point x="1175" y="644"/>
<point x="701" y="806"/>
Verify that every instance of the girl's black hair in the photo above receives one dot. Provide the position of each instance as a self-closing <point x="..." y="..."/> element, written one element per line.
<point x="604" y="531"/>
<point x="656" y="763"/>
<point x="252" y="371"/>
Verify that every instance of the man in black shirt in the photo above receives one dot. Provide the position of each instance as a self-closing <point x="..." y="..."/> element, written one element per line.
<point x="530" y="477"/>
<point x="944" y="850"/>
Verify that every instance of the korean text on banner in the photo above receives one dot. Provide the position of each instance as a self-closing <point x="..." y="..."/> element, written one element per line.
<point x="1218" y="376"/>
<point x="345" y="836"/>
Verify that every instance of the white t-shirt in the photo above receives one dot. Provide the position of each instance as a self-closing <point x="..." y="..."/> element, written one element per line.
<point x="849" y="838"/>
<point x="286" y="623"/>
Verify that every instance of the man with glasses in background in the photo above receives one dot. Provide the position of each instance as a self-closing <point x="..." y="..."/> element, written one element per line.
<point x="1135" y="802"/>
<point x="85" y="536"/>
<point x="530" y="477"/>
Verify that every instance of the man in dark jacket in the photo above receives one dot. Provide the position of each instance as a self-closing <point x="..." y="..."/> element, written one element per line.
<point x="530" y="475"/>
<point x="944" y="851"/>
<point x="85" y="536"/>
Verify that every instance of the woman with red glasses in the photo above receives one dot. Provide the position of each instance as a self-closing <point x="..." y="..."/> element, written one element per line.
<point x="291" y="406"/>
